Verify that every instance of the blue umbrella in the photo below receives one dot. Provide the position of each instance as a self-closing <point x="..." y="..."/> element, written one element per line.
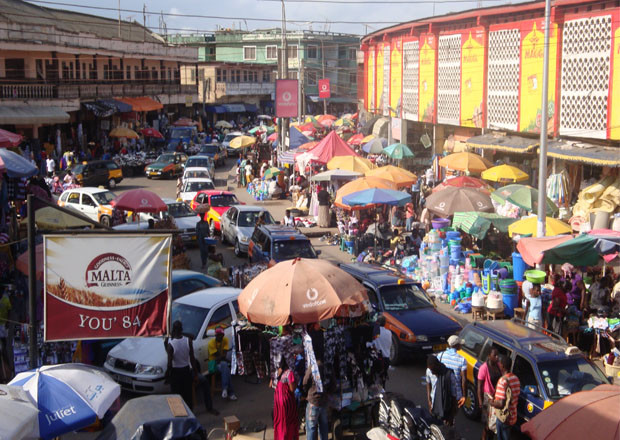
<point x="377" y="196"/>
<point x="374" y="146"/>
<point x="15" y="165"/>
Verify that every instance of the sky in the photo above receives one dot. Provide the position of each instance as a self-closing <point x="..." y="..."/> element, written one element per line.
<point x="318" y="15"/>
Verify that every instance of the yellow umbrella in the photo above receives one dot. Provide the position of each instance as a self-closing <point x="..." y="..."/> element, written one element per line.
<point x="465" y="162"/>
<point x="343" y="122"/>
<point x="368" y="138"/>
<point x="505" y="173"/>
<point x="359" y="185"/>
<point x="350" y="163"/>
<point x="394" y="174"/>
<point x="242" y="142"/>
<point x="50" y="218"/>
<point x="124" y="132"/>
<point x="528" y="226"/>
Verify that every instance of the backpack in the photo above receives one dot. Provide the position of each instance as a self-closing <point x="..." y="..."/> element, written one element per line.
<point x="503" y="414"/>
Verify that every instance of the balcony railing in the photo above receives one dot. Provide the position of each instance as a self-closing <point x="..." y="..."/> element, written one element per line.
<point x="244" y="88"/>
<point x="27" y="91"/>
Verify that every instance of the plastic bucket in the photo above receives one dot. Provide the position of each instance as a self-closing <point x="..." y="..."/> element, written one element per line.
<point x="535" y="276"/>
<point x="511" y="302"/>
<point x="440" y="223"/>
<point x="453" y="235"/>
<point x="518" y="266"/>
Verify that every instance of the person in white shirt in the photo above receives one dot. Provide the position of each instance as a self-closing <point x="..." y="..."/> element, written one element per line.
<point x="288" y="218"/>
<point x="50" y="165"/>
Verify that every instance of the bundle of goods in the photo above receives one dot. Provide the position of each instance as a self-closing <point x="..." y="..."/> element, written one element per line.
<point x="601" y="199"/>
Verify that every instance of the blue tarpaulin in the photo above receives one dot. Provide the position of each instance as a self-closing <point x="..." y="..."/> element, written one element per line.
<point x="121" y="107"/>
<point x="216" y="109"/>
<point x="296" y="138"/>
<point x="250" y="108"/>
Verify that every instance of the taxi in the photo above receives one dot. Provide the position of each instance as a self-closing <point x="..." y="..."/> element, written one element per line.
<point x="94" y="203"/>
<point x="166" y="166"/>
<point x="219" y="201"/>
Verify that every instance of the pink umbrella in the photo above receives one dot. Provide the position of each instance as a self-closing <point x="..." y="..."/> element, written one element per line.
<point x="9" y="139"/>
<point x="151" y="132"/>
<point x="273" y="137"/>
<point x="140" y="200"/>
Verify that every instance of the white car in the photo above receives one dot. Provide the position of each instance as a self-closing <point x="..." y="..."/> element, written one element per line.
<point x="201" y="161"/>
<point x="197" y="173"/>
<point x="237" y="225"/>
<point x="191" y="187"/>
<point x="139" y="364"/>
<point x="226" y="142"/>
<point x="94" y="203"/>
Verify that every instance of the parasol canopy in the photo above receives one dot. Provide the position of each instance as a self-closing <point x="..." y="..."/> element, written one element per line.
<point x="328" y="175"/>
<point x="124" y="132"/>
<point x="583" y="250"/>
<point x="140" y="200"/>
<point x="479" y="223"/>
<point x="373" y="146"/>
<point x="465" y="162"/>
<point x="368" y="138"/>
<point x="398" y="151"/>
<point x="454" y="199"/>
<point x="301" y="291"/>
<point x="50" y="218"/>
<point x="307" y="146"/>
<point x="19" y="416"/>
<point x="356" y="139"/>
<point x="152" y="133"/>
<point x="9" y="139"/>
<point x="350" y="163"/>
<point x="528" y="225"/>
<point x="16" y="165"/>
<point x="185" y="122"/>
<point x="377" y="196"/>
<point x="223" y="124"/>
<point x="505" y="173"/>
<point x="242" y="142"/>
<point x="464" y="182"/>
<point x="270" y="173"/>
<point x="532" y="248"/>
<point x="523" y="196"/>
<point x="359" y="185"/>
<point x="399" y="176"/>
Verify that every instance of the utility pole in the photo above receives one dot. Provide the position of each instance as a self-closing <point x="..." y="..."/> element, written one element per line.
<point x="119" y="18"/>
<point x="144" y="22"/>
<point x="284" y="75"/>
<point x="323" y="63"/>
<point x="541" y="228"/>
<point x="300" y="88"/>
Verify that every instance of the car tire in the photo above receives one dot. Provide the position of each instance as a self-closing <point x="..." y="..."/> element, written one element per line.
<point x="111" y="183"/>
<point x="238" y="252"/>
<point x="395" y="351"/>
<point x="471" y="408"/>
<point x="105" y="220"/>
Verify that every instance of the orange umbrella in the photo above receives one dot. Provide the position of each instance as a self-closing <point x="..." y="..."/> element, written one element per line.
<point x="307" y="146"/>
<point x="394" y="174"/>
<point x="301" y="291"/>
<point x="465" y="162"/>
<point x="359" y="185"/>
<point x="465" y="182"/>
<point x="587" y="414"/>
<point x="323" y="118"/>
<point x="356" y="139"/>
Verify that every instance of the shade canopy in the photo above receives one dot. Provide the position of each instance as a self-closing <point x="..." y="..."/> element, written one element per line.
<point x="15" y="165"/>
<point x="528" y="226"/>
<point x="398" y="151"/>
<point x="9" y="139"/>
<point x="32" y="114"/>
<point x="140" y="200"/>
<point x="358" y="185"/>
<point x="532" y="248"/>
<point x="374" y="146"/>
<point x="51" y="218"/>
<point x="124" y="132"/>
<point x="329" y="175"/>
<point x="151" y="132"/>
<point x="453" y="199"/>
<point x="350" y="163"/>
<point x="579" y="251"/>
<point x="465" y="161"/>
<point x="464" y="182"/>
<point x="356" y="139"/>
<point x="242" y="142"/>
<point x="331" y="146"/>
<point x="523" y="196"/>
<point x="505" y="174"/>
<point x="296" y="138"/>
<point x="377" y="196"/>
<point x="400" y="176"/>
<point x="142" y="104"/>
<point x="223" y="124"/>
<point x="479" y="223"/>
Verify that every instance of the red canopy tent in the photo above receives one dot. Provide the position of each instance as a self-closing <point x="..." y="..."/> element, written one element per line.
<point x="332" y="145"/>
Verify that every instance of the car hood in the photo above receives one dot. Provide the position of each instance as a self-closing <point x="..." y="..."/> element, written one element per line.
<point x="186" y="222"/>
<point x="145" y="351"/>
<point x="427" y="321"/>
<point x="157" y="166"/>
<point x="188" y="196"/>
<point x="245" y="231"/>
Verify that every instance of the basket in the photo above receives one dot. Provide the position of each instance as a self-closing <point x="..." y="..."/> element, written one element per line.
<point x="612" y="370"/>
<point x="535" y="276"/>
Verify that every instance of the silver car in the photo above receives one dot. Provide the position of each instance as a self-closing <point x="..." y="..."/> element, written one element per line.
<point x="238" y="225"/>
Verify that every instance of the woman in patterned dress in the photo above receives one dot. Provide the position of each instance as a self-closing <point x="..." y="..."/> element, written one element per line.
<point x="285" y="418"/>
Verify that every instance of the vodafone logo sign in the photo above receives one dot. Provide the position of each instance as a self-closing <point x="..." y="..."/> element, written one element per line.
<point x="324" y="91"/>
<point x="312" y="294"/>
<point x="286" y="98"/>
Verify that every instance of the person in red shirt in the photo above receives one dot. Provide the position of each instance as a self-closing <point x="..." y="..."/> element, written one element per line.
<point x="557" y="308"/>
<point x="508" y="380"/>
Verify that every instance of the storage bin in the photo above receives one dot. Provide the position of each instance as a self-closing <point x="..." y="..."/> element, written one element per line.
<point x="535" y="276"/>
<point x="518" y="266"/>
<point x="511" y="302"/>
<point x="439" y="223"/>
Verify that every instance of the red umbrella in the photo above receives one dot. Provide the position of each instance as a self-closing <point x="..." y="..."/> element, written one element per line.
<point x="9" y="139"/>
<point x="151" y="132"/>
<point x="356" y="139"/>
<point x="140" y="200"/>
<point x="273" y="137"/>
<point x="464" y="182"/>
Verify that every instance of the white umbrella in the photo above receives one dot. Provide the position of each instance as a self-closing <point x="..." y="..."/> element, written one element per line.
<point x="19" y="416"/>
<point x="223" y="124"/>
<point x="328" y="175"/>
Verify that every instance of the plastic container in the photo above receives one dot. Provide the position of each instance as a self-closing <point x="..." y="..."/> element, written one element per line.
<point x="439" y="223"/>
<point x="511" y="302"/>
<point x="453" y="235"/>
<point x="535" y="276"/>
<point x="494" y="300"/>
<point x="518" y="266"/>
<point x="477" y="299"/>
<point x="486" y="281"/>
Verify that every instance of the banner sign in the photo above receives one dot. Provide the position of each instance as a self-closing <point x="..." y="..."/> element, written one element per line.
<point x="324" y="91"/>
<point x="472" y="77"/>
<point x="428" y="58"/>
<point x="286" y="98"/>
<point x="103" y="286"/>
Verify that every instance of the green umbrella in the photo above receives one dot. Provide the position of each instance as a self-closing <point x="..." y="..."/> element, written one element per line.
<point x="478" y="223"/>
<point x="398" y="151"/>
<point x="271" y="173"/>
<point x="524" y="196"/>
<point x="262" y="128"/>
<point x="579" y="251"/>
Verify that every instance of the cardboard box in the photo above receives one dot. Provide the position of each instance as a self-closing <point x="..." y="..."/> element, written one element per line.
<point x="232" y="424"/>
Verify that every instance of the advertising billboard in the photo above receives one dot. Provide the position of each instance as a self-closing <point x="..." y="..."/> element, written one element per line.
<point x="396" y="75"/>
<point x="370" y="77"/>
<point x="102" y="286"/>
<point x="472" y="78"/>
<point x="379" y="72"/>
<point x="428" y="58"/>
<point x="324" y="90"/>
<point x="286" y="98"/>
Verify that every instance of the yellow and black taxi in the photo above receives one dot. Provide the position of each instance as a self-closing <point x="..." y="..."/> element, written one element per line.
<point x="166" y="166"/>
<point x="417" y="327"/>
<point x="98" y="173"/>
<point x="547" y="367"/>
<point x="95" y="203"/>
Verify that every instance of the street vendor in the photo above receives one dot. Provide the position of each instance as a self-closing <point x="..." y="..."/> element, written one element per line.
<point x="218" y="361"/>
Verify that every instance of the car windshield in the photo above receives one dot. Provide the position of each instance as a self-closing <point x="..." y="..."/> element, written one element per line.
<point x="177" y="133"/>
<point x="230" y="137"/>
<point x="165" y="158"/>
<point x="403" y="297"/>
<point x="198" y="186"/>
<point x="200" y="174"/>
<point x="202" y="162"/>
<point x="248" y="218"/>
<point x="192" y="318"/>
<point x="224" y="200"/>
<point x="210" y="149"/>
<point x="177" y="210"/>
<point x="104" y="198"/>
<point x="569" y="376"/>
<point x="289" y="249"/>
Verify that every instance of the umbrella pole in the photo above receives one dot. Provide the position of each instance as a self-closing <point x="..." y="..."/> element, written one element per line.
<point x="32" y="283"/>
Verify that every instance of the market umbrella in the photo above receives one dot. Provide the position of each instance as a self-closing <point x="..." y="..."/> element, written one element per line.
<point x="140" y="200"/>
<point x="532" y="248"/>
<point x="343" y="122"/>
<point x="124" y="132"/>
<point x="242" y="142"/>
<point x="151" y="132"/>
<point x="51" y="218"/>
<point x="327" y="122"/>
<point x="453" y="199"/>
<point x="16" y="165"/>
<point x="83" y="393"/>
<point x="399" y="176"/>
<point x="377" y="196"/>
<point x="523" y="196"/>
<point x="398" y="151"/>
<point x="591" y="414"/>
<point x="9" y="139"/>
<point x="271" y="173"/>
<point x="19" y="416"/>
<point x="328" y="175"/>
<point x="505" y="173"/>
<point x="322" y="118"/>
<point x="368" y="138"/>
<point x="373" y="146"/>
<point x="350" y="163"/>
<point x="223" y="124"/>
<point x="301" y="291"/>
<point x="479" y="223"/>
<point x="464" y="182"/>
<point x="465" y="162"/>
<point x="356" y="139"/>
<point x="272" y="137"/>
<point x="267" y="117"/>
<point x="579" y="251"/>
<point x="528" y="226"/>
<point x="307" y="146"/>
<point x="361" y="184"/>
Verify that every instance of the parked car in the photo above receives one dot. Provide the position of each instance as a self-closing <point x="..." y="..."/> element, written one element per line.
<point x="417" y="327"/>
<point x="94" y="203"/>
<point x="183" y="135"/>
<point x="547" y="367"/>
<point x="139" y="364"/>
<point x="214" y="152"/>
<point x="198" y="173"/>
<point x="201" y="161"/>
<point x="219" y="201"/>
<point x="226" y="142"/>
<point x="279" y="243"/>
<point x="191" y="187"/>
<point x="238" y="223"/>
<point x="166" y="166"/>
<point x="98" y="173"/>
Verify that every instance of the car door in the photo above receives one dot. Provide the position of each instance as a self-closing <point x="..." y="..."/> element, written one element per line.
<point x="531" y="401"/>
<point x="226" y="224"/>
<point x="220" y="316"/>
<point x="255" y="248"/>
<point x="89" y="207"/>
<point x="232" y="216"/>
<point x="73" y="201"/>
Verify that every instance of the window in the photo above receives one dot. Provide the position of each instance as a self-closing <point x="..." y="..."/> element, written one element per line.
<point x="372" y="297"/>
<point x="342" y="52"/>
<point x="473" y="342"/>
<point x="224" y="75"/>
<point x="313" y="52"/>
<point x="218" y="75"/>
<point x="292" y="52"/>
<point x="293" y="75"/>
<point x="352" y="79"/>
<point x="74" y="198"/>
<point x="352" y="53"/>
<point x="185" y="287"/>
<point x="135" y="73"/>
<point x="523" y="370"/>
<point x="266" y="76"/>
<point x="271" y="52"/>
<point x="154" y="73"/>
<point x="221" y="317"/>
<point x="88" y="200"/>
<point x="128" y="74"/>
<point x="311" y="78"/>
<point x="249" y="52"/>
<point x="83" y="70"/>
<point x="238" y="76"/>
<point x="193" y="75"/>
<point x="245" y="76"/>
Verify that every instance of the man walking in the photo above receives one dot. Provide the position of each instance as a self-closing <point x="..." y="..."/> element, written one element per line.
<point x="180" y="358"/>
<point x="203" y="231"/>
<point x="50" y="166"/>
<point x="218" y="348"/>
<point x="506" y="399"/>
<point x="443" y="393"/>
<point x="454" y="361"/>
<point x="488" y="375"/>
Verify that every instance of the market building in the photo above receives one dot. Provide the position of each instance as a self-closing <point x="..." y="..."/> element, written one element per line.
<point x="63" y="72"/>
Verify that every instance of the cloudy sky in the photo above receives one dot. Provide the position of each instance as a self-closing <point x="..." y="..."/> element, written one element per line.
<point x="319" y="15"/>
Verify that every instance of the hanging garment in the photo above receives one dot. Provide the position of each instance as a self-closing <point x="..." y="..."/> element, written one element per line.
<point x="311" y="362"/>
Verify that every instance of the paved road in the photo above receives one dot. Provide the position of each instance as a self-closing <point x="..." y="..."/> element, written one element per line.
<point x="255" y="400"/>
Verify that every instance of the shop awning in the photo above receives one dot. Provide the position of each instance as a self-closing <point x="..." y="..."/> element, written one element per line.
<point x="512" y="144"/>
<point x="99" y="109"/>
<point x="121" y="107"/>
<point x="215" y="109"/>
<point x="142" y="104"/>
<point x="584" y="153"/>
<point x="334" y="99"/>
<point x="250" y="108"/>
<point x="28" y="115"/>
<point x="234" y="108"/>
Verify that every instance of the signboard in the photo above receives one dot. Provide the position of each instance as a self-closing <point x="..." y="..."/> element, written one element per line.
<point x="396" y="75"/>
<point x="189" y="101"/>
<point x="103" y="286"/>
<point x="370" y="80"/>
<point x="472" y="78"/>
<point x="286" y="98"/>
<point x="428" y="58"/>
<point x="324" y="90"/>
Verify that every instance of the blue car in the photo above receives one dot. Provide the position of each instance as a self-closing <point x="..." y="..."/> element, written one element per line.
<point x="417" y="327"/>
<point x="185" y="282"/>
<point x="279" y="243"/>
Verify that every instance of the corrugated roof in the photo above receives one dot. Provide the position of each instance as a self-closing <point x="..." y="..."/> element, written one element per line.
<point x="17" y="11"/>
